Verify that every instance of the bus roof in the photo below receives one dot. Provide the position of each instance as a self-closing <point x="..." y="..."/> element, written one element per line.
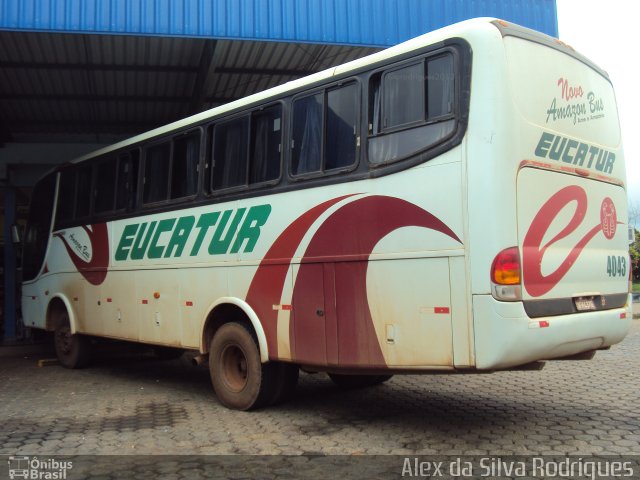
<point x="461" y="29"/>
<point x="456" y="30"/>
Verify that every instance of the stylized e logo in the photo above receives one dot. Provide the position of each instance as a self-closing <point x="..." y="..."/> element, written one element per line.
<point x="533" y="251"/>
<point x="94" y="270"/>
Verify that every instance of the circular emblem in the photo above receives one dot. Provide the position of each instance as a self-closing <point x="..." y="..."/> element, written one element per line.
<point x="608" y="218"/>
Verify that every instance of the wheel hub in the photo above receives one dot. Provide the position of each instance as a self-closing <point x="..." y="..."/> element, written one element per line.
<point x="234" y="364"/>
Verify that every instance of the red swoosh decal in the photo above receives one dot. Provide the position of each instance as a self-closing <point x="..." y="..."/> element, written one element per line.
<point x="94" y="270"/>
<point x="268" y="282"/>
<point x="351" y="232"/>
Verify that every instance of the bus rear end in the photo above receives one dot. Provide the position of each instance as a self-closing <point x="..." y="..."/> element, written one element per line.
<point x="559" y="279"/>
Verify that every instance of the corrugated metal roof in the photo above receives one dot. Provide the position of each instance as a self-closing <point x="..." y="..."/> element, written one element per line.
<point x="77" y="84"/>
<point x="164" y="60"/>
<point x="353" y="22"/>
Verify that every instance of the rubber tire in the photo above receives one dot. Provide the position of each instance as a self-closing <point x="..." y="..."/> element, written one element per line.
<point x="72" y="350"/>
<point x="285" y="382"/>
<point x="167" y="353"/>
<point x="358" y="381"/>
<point x="240" y="380"/>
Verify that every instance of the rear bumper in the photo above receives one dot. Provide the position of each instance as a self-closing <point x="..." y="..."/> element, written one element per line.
<point x="506" y="337"/>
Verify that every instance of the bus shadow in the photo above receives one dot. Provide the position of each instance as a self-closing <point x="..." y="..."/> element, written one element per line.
<point x="415" y="403"/>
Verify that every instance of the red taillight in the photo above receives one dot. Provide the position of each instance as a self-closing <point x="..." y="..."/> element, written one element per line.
<point x="505" y="269"/>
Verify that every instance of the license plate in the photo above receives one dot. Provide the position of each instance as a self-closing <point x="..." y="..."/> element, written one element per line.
<point x="585" y="304"/>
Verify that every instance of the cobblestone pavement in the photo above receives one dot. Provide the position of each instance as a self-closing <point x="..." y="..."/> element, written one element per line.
<point x="136" y="404"/>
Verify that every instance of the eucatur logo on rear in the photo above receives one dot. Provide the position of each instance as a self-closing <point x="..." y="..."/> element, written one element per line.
<point x="535" y="282"/>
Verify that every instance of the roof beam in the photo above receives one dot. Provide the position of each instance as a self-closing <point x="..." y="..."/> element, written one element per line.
<point x="206" y="68"/>
<point x="266" y="71"/>
<point x="155" y="68"/>
<point x="109" y="98"/>
<point x="79" y="126"/>
<point x="92" y="98"/>
<point x="83" y="67"/>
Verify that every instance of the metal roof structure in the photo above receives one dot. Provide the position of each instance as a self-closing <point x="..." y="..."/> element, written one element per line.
<point x="100" y="70"/>
<point x="100" y="87"/>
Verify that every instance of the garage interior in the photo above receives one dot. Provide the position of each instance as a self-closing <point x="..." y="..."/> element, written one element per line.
<point x="72" y="82"/>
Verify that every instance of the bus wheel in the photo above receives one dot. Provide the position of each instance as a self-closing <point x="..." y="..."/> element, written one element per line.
<point x="239" y="379"/>
<point x="167" y="353"/>
<point x="285" y="382"/>
<point x="358" y="381"/>
<point x="72" y="350"/>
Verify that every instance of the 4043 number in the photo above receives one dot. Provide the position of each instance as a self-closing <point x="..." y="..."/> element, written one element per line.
<point x="616" y="266"/>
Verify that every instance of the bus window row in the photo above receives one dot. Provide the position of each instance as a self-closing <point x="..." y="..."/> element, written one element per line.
<point x="411" y="107"/>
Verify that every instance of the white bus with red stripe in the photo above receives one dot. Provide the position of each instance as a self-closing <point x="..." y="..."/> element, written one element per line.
<point x="454" y="204"/>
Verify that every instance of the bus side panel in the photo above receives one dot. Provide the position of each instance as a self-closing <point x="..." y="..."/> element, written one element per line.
<point x="308" y="335"/>
<point x="394" y="309"/>
<point x="33" y="313"/>
<point x="120" y="305"/>
<point x="158" y="312"/>
<point x="412" y="312"/>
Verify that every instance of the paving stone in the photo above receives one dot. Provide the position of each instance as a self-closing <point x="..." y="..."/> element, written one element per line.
<point x="136" y="405"/>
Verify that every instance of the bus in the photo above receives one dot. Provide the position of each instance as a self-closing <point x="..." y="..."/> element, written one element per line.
<point x="455" y="203"/>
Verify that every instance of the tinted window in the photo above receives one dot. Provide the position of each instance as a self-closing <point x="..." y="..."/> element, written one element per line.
<point x="36" y="235"/>
<point x="440" y="86"/>
<point x="266" y="138"/>
<point x="105" y="186"/>
<point x="127" y="186"/>
<point x="411" y="109"/>
<point x="307" y="134"/>
<point x="184" y="166"/>
<point x="83" y="191"/>
<point x="342" y="105"/>
<point x="156" y="173"/>
<point x="325" y="130"/>
<point x="401" y="144"/>
<point x="403" y="92"/>
<point x="66" y="196"/>
<point x="230" y="147"/>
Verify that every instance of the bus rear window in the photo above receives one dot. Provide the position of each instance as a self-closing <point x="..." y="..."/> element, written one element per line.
<point x="440" y="83"/>
<point x="403" y="96"/>
<point x="411" y="108"/>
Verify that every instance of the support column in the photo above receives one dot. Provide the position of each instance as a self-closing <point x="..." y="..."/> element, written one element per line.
<point x="9" y="307"/>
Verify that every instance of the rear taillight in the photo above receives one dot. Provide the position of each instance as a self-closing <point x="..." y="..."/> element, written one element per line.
<point x="505" y="269"/>
<point x="506" y="275"/>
